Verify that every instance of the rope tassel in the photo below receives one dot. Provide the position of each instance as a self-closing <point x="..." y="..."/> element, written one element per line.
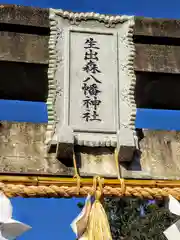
<point x="92" y="223"/>
<point x="98" y="226"/>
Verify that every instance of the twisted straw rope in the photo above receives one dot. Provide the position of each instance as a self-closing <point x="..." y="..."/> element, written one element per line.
<point x="14" y="190"/>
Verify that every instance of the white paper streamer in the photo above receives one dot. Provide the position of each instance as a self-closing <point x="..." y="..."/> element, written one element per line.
<point x="173" y="232"/>
<point x="9" y="228"/>
<point x="80" y="222"/>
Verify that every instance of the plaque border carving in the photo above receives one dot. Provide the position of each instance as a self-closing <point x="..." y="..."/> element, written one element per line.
<point x="126" y="66"/>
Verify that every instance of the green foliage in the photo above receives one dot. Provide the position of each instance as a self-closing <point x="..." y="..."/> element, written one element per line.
<point x="137" y="219"/>
<point x="80" y="205"/>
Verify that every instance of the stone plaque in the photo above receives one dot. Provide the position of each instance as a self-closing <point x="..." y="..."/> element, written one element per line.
<point x="92" y="77"/>
<point x="91" y="83"/>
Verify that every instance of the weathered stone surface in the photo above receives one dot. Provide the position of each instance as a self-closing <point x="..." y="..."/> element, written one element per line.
<point x="22" y="150"/>
<point x="157" y="58"/>
<point x="96" y="161"/>
<point x="160" y="154"/>
<point x="33" y="48"/>
<point x="157" y="27"/>
<point x="14" y="14"/>
<point x="24" y="38"/>
<point x="16" y="46"/>
<point x="19" y="47"/>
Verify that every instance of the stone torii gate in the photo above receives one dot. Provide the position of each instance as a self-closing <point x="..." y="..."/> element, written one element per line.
<point x="35" y="163"/>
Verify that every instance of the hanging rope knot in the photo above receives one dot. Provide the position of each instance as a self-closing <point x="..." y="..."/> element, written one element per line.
<point x="76" y="174"/>
<point x="94" y="188"/>
<point x="123" y="186"/>
<point x="101" y="183"/>
<point x="78" y="182"/>
<point x="117" y="162"/>
<point x="98" y="183"/>
<point x="98" y="226"/>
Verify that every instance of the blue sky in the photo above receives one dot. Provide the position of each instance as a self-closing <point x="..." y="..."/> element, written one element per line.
<point x="50" y="218"/>
<point x="150" y="8"/>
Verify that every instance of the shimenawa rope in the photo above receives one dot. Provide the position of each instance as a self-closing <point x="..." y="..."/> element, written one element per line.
<point x="42" y="189"/>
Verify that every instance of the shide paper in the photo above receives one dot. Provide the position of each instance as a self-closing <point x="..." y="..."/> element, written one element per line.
<point x="173" y="232"/>
<point x="9" y="228"/>
<point x="92" y="223"/>
<point x="79" y="224"/>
